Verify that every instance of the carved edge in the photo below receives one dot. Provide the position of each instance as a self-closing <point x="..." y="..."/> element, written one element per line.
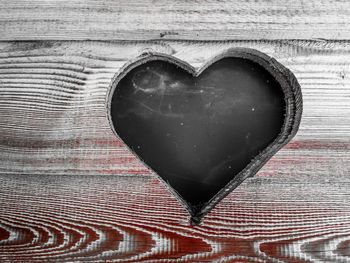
<point x="294" y="107"/>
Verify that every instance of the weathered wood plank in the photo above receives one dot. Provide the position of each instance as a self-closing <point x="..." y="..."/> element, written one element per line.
<point x="134" y="219"/>
<point x="53" y="114"/>
<point x="71" y="191"/>
<point x="173" y="19"/>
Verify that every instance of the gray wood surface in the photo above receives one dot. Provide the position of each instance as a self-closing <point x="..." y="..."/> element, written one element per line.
<point x="53" y="104"/>
<point x="71" y="191"/>
<point x="173" y="19"/>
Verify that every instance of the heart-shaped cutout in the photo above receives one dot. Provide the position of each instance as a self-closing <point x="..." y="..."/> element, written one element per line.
<point x="205" y="131"/>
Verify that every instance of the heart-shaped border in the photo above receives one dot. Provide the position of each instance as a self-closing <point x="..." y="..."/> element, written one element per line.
<point x="294" y="108"/>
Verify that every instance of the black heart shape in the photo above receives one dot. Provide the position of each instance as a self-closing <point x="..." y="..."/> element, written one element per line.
<point x="203" y="132"/>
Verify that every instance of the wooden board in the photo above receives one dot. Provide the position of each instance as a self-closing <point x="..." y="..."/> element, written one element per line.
<point x="71" y="191"/>
<point x="134" y="219"/>
<point x="53" y="110"/>
<point x="173" y="19"/>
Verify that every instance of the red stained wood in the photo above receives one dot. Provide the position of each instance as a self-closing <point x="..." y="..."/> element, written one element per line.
<point x="114" y="218"/>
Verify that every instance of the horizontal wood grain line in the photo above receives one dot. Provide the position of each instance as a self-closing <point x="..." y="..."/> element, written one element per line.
<point x="173" y="19"/>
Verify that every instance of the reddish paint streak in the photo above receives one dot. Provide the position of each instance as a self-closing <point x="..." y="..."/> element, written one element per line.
<point x="124" y="172"/>
<point x="24" y="235"/>
<point x="4" y="234"/>
<point x="317" y="145"/>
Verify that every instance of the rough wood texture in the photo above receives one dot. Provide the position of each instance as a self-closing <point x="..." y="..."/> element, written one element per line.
<point x="173" y="19"/>
<point x="71" y="191"/>
<point x="134" y="219"/>
<point x="54" y="118"/>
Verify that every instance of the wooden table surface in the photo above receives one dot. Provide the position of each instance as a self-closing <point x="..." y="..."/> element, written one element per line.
<point x="72" y="192"/>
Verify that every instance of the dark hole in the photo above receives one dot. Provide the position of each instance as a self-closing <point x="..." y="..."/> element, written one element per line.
<point x="197" y="133"/>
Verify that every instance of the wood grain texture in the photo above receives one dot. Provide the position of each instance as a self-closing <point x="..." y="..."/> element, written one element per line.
<point x="71" y="191"/>
<point x="134" y="219"/>
<point x="53" y="112"/>
<point x="173" y="19"/>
